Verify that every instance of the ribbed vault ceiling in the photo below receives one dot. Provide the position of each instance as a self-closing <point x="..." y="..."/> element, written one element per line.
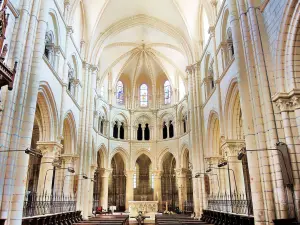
<point x="141" y="37"/>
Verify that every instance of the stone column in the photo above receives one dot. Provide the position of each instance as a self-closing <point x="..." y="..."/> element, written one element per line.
<point x="286" y="106"/>
<point x="196" y="193"/>
<point x="91" y="194"/>
<point x="50" y="151"/>
<point x="119" y="129"/>
<point x="68" y="179"/>
<point x="66" y="9"/>
<point x="220" y="173"/>
<point x="104" y="174"/>
<point x="129" y="187"/>
<point x="231" y="149"/>
<point x="181" y="184"/>
<point x="134" y="131"/>
<point x="56" y="59"/>
<point x="151" y="128"/>
<point x="168" y="126"/>
<point x="143" y="132"/>
<point x="82" y="48"/>
<point x="157" y="187"/>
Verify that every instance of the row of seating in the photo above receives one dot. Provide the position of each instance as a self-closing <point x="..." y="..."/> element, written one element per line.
<point x="106" y="220"/>
<point x="176" y="219"/>
<point x="66" y="218"/>
<point x="215" y="217"/>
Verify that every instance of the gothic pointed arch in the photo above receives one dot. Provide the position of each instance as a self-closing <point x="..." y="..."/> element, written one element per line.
<point x="69" y="134"/>
<point x="213" y="135"/>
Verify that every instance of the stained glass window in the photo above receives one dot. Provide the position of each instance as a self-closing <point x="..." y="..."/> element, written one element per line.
<point x="144" y="95"/>
<point x="120" y="92"/>
<point x="167" y="89"/>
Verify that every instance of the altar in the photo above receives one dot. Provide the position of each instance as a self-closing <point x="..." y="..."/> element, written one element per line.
<point x="148" y="208"/>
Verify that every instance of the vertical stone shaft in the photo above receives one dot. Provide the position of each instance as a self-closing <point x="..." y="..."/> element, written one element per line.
<point x="129" y="187"/>
<point x="15" y="206"/>
<point x="260" y="211"/>
<point x="81" y="134"/>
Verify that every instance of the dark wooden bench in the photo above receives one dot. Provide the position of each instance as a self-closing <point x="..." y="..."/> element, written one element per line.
<point x="106" y="219"/>
<point x="65" y="218"/>
<point x="177" y="219"/>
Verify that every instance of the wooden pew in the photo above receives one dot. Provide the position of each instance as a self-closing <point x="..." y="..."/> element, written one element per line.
<point x="105" y="220"/>
<point x="176" y="219"/>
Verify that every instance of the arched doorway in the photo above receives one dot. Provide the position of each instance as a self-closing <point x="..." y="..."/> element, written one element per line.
<point x="143" y="179"/>
<point x="117" y="183"/>
<point x="168" y="182"/>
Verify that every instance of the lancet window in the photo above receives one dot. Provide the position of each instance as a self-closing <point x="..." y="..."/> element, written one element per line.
<point x="230" y="44"/>
<point x="71" y="82"/>
<point x="101" y="124"/>
<point x="167" y="92"/>
<point x="184" y="123"/>
<point x="120" y="93"/>
<point x="119" y="130"/>
<point x="168" y="130"/>
<point x="143" y="132"/>
<point x="49" y="47"/>
<point x="144" y="95"/>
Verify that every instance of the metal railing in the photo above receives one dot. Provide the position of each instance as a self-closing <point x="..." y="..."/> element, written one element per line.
<point x="188" y="207"/>
<point x="237" y="203"/>
<point x="35" y="204"/>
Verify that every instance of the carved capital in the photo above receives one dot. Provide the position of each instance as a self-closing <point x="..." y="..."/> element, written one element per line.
<point x="130" y="173"/>
<point x="94" y="68"/>
<point x="287" y="101"/>
<point x="49" y="149"/>
<point x="181" y="172"/>
<point x="157" y="174"/>
<point x="284" y="105"/>
<point x="93" y="168"/>
<point x="211" y="31"/>
<point x="69" y="158"/>
<point x="213" y="160"/>
<point x="70" y="30"/>
<point x="231" y="148"/>
<point x="105" y="172"/>
<point x="190" y="69"/>
<point x="67" y="3"/>
<point x="296" y="102"/>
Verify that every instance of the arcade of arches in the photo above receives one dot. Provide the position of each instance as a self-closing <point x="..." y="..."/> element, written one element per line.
<point x="193" y="105"/>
